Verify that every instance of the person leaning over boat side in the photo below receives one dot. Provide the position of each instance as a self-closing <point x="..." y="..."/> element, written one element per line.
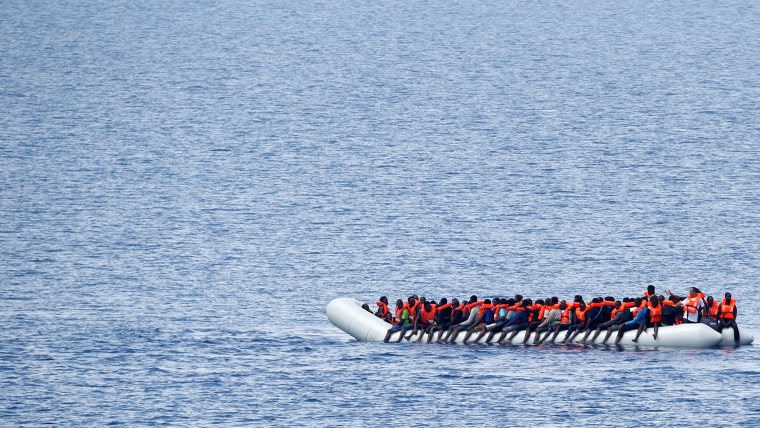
<point x="402" y="319"/>
<point x="727" y="317"/>
<point x="635" y="323"/>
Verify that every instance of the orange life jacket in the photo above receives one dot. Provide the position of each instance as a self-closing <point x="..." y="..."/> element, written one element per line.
<point x="565" y="319"/>
<point x="691" y="304"/>
<point x="427" y="317"/>
<point x="483" y="308"/>
<point x="580" y="314"/>
<point x="727" y="310"/>
<point x="383" y="307"/>
<point x="655" y="313"/>
<point x="713" y="311"/>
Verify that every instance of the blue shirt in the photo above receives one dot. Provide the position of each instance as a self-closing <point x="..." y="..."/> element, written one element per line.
<point x="640" y="318"/>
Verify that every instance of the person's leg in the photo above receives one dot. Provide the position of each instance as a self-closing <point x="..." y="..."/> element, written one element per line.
<point x="642" y="327"/>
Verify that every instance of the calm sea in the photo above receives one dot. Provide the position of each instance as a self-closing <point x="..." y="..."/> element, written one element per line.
<point x="185" y="185"/>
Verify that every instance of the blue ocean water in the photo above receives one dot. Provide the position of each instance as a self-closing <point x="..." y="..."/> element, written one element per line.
<point x="186" y="185"/>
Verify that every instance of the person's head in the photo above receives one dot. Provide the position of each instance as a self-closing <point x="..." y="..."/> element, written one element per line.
<point x="473" y="298"/>
<point x="487" y="302"/>
<point x="511" y="301"/>
<point x="428" y="306"/>
<point x="693" y="292"/>
<point x="650" y="290"/>
<point x="638" y="301"/>
<point x="454" y="303"/>
<point x="578" y="298"/>
<point x="423" y="299"/>
<point x="655" y="301"/>
<point x="609" y="299"/>
<point x="618" y="304"/>
<point x="563" y="305"/>
<point x="518" y="298"/>
<point x="540" y="302"/>
<point x="366" y="308"/>
<point x="527" y="302"/>
<point x="710" y="300"/>
<point x="555" y="300"/>
<point x="411" y="301"/>
<point x="728" y="297"/>
<point x="399" y="303"/>
<point x="496" y="301"/>
<point x="388" y="317"/>
<point x="443" y="301"/>
<point x="582" y="305"/>
<point x="384" y="299"/>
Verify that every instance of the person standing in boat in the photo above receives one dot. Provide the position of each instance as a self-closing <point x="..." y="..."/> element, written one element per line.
<point x="727" y="317"/>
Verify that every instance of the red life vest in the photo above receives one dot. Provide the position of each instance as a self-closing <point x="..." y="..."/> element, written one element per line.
<point x="565" y="319"/>
<point x="727" y="310"/>
<point x="655" y="313"/>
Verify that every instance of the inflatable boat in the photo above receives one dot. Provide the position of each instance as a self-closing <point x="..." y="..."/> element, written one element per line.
<point x="347" y="314"/>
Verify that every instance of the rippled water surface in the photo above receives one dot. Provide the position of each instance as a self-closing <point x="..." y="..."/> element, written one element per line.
<point x="186" y="185"/>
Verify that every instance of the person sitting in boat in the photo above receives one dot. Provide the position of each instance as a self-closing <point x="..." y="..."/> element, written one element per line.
<point x="457" y="316"/>
<point x="712" y="311"/>
<point x="602" y="314"/>
<point x="403" y="319"/>
<point x="672" y="314"/>
<point x="541" y="307"/>
<point x="519" y="322"/>
<point x="617" y="318"/>
<point x="654" y="317"/>
<point x="727" y="317"/>
<point x="552" y="319"/>
<point x="442" y="316"/>
<point x="692" y="306"/>
<point x="502" y="312"/>
<point x="382" y="307"/>
<point x="469" y="319"/>
<point x="578" y="319"/>
<point x="639" y="318"/>
<point x="485" y="317"/>
<point x="424" y="318"/>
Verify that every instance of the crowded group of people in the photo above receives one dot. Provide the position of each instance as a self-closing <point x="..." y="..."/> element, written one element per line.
<point x="500" y="319"/>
